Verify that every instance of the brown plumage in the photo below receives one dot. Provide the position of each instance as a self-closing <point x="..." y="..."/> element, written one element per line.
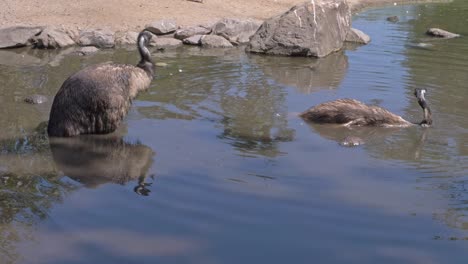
<point x="97" y="98"/>
<point x="350" y="112"/>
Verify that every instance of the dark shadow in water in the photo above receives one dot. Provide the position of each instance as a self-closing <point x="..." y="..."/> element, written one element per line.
<point x="98" y="159"/>
<point x="308" y="75"/>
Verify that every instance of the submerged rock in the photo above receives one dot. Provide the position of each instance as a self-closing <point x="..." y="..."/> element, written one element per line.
<point x="357" y="36"/>
<point x="440" y="33"/>
<point x="352" y="141"/>
<point x="18" y="36"/>
<point x="421" y="45"/>
<point x="84" y="51"/>
<point x="35" y="99"/>
<point x="315" y="28"/>
<point x="393" y="19"/>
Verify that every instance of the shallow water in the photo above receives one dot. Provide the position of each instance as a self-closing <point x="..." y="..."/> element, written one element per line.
<point x="213" y="166"/>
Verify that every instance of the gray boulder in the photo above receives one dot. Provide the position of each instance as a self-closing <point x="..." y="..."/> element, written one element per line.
<point x="100" y="38"/>
<point x="440" y="33"/>
<point x="357" y="36"/>
<point x="19" y="36"/>
<point x="126" y="38"/>
<point x="194" y="40"/>
<point x="315" y="28"/>
<point x="235" y="30"/>
<point x="191" y="31"/>
<point x="163" y="43"/>
<point x="162" y="27"/>
<point x="52" y="38"/>
<point x="214" y="41"/>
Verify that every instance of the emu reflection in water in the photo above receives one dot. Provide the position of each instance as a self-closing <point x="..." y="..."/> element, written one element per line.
<point x="97" y="159"/>
<point x="368" y="135"/>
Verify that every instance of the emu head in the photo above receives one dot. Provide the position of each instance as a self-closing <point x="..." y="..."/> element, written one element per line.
<point x="144" y="38"/>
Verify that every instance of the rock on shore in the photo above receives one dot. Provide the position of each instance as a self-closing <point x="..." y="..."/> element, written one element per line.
<point x="12" y="37"/>
<point x="315" y="28"/>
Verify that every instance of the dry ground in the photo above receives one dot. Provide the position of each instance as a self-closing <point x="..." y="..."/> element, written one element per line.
<point x="134" y="14"/>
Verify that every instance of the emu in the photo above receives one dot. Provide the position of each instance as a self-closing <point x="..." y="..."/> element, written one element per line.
<point x="350" y="112"/>
<point x="96" y="99"/>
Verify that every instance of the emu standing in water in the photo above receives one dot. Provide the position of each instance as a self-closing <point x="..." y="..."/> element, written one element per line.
<point x="97" y="98"/>
<point x="350" y="112"/>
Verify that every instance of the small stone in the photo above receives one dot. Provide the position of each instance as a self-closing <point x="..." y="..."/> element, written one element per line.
<point x="194" y="40"/>
<point x="214" y="41"/>
<point x="161" y="64"/>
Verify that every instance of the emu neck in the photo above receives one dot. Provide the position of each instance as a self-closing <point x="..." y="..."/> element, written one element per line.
<point x="427" y="121"/>
<point x="146" y="63"/>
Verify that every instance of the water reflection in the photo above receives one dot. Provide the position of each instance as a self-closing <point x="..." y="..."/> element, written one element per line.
<point x="308" y="75"/>
<point x="94" y="160"/>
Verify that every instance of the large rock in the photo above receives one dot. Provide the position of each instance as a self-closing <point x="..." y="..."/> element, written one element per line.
<point x="191" y="31"/>
<point x="357" y="36"/>
<point x="440" y="33"/>
<point x="315" y="28"/>
<point x="162" y="27"/>
<point x="214" y="41"/>
<point x="52" y="38"/>
<point x="100" y="38"/>
<point x="235" y="30"/>
<point x="11" y="37"/>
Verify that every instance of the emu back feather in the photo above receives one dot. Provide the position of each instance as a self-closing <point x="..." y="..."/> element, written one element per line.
<point x="95" y="99"/>
<point x="352" y="112"/>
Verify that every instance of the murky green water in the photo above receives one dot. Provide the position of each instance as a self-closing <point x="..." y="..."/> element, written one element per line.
<point x="212" y="166"/>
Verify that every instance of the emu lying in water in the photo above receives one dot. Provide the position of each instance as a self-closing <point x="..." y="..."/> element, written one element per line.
<point x="350" y="112"/>
<point x="97" y="98"/>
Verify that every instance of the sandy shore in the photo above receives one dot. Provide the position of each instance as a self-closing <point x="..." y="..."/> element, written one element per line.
<point x="133" y="15"/>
